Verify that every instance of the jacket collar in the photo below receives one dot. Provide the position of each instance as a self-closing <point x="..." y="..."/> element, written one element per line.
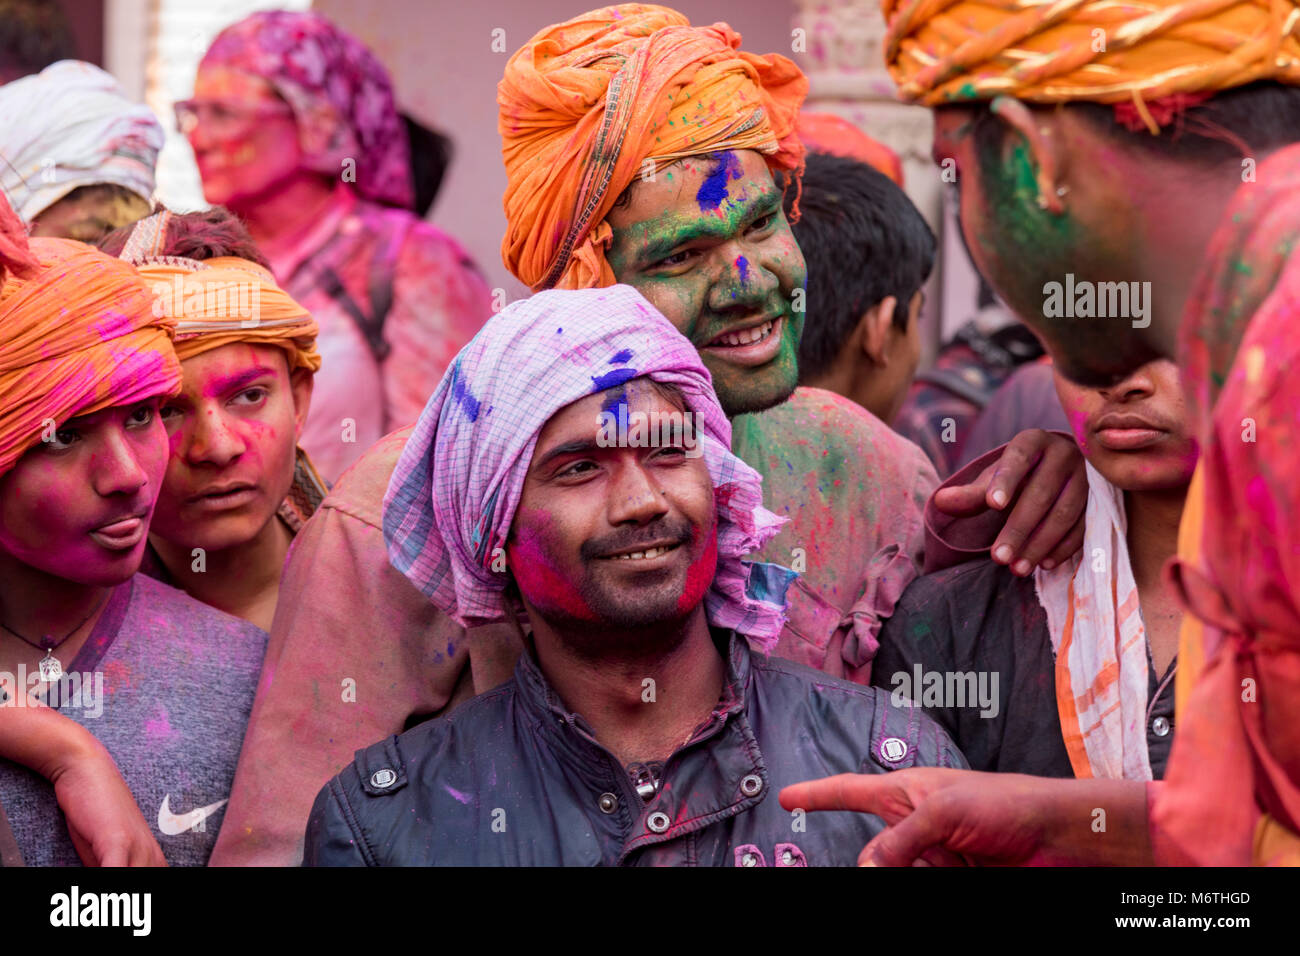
<point x="539" y="698"/>
<point x="718" y="773"/>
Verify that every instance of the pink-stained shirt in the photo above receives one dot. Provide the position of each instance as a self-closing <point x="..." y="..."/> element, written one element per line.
<point x="439" y="300"/>
<point x="855" y="493"/>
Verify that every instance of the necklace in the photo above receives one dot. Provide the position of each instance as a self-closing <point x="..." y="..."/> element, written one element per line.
<point x="51" y="668"/>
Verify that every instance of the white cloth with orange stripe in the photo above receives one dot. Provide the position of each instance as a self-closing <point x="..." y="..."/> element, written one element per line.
<point x="1095" y="621"/>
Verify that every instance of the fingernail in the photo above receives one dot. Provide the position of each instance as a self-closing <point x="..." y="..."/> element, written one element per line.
<point x="1003" y="554"/>
<point x="1048" y="564"/>
<point x="999" y="497"/>
<point x="868" y="863"/>
<point x="1021" y="567"/>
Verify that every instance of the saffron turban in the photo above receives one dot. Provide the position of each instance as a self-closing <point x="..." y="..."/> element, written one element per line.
<point x="220" y="301"/>
<point x="453" y="495"/>
<point x="70" y="126"/>
<point x="341" y="96"/>
<point x="828" y="133"/>
<point x="77" y="334"/>
<point x="587" y="102"/>
<point x="1053" y="51"/>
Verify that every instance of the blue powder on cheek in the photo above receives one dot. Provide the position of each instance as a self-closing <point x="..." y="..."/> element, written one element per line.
<point x="621" y="358"/>
<point x="611" y="379"/>
<point x="714" y="188"/>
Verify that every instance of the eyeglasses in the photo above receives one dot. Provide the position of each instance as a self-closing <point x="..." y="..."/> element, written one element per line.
<point x="223" y="117"/>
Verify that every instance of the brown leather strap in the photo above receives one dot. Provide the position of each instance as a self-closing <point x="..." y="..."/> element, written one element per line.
<point x="10" y="855"/>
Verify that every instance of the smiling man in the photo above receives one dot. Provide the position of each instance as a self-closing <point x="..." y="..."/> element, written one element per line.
<point x="639" y="729"/>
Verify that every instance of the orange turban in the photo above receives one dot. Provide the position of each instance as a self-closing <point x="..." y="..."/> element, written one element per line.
<point x="585" y="103"/>
<point x="220" y="301"/>
<point x="77" y="334"/>
<point x="944" y="51"/>
<point x="828" y="133"/>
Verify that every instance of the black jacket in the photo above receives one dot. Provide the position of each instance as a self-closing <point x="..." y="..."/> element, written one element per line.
<point x="511" y="778"/>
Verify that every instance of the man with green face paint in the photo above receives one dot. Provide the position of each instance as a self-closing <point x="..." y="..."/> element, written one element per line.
<point x="1150" y="152"/>
<point x="642" y="150"/>
<point x="639" y="150"/>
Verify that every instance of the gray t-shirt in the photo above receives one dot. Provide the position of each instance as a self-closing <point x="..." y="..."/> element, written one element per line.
<point x="166" y="684"/>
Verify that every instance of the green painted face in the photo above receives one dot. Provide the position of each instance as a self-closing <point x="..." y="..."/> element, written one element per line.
<point x="707" y="243"/>
<point x="1026" y="251"/>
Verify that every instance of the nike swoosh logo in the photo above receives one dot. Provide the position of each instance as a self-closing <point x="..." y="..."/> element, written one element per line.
<point x="174" y="824"/>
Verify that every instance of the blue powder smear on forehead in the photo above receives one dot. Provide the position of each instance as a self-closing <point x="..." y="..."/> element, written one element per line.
<point x="714" y="188"/>
<point x="611" y="379"/>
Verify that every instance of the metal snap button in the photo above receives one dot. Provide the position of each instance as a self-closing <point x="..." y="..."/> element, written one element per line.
<point x="1160" y="726"/>
<point x="608" y="803"/>
<point x="658" y="821"/>
<point x="751" y="784"/>
<point x="749" y="860"/>
<point x="383" y="779"/>
<point x="787" y="858"/>
<point x="893" y="749"/>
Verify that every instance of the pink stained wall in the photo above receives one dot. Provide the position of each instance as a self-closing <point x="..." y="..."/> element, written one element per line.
<point x="446" y="73"/>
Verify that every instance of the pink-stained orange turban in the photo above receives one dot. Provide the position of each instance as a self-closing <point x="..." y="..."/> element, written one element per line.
<point x="220" y="301"/>
<point x="828" y="133"/>
<point x="944" y="51"/>
<point x="77" y="334"/>
<point x="585" y="103"/>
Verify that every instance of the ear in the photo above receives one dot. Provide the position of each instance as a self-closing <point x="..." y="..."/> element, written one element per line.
<point x="301" y="382"/>
<point x="873" y="330"/>
<point x="1047" y="153"/>
<point x="914" y="308"/>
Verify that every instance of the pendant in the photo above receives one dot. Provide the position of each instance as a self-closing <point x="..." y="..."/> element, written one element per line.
<point x="51" y="669"/>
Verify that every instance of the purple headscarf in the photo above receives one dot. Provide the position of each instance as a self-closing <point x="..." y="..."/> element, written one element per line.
<point x="341" y="95"/>
<point x="452" y="497"/>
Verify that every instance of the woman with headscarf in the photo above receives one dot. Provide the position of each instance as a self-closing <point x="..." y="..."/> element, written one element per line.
<point x="294" y="128"/>
<point x="163" y="683"/>
<point x="76" y="156"/>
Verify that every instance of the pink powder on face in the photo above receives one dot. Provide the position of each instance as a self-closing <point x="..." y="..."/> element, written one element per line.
<point x="539" y="580"/>
<point x="700" y="575"/>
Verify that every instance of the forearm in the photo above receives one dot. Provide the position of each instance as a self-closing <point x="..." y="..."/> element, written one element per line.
<point x="43" y="740"/>
<point x="1094" y="823"/>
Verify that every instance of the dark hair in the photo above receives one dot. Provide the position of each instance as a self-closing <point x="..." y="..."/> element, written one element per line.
<point x="430" y="156"/>
<point x="33" y="34"/>
<point x="1228" y="126"/>
<point x="863" y="240"/>
<point x="197" y="235"/>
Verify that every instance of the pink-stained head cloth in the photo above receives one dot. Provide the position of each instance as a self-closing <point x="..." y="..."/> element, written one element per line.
<point x="341" y="96"/>
<point x="453" y="495"/>
<point x="77" y="334"/>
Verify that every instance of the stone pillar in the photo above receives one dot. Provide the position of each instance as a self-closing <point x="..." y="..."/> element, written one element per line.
<point x="843" y="55"/>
